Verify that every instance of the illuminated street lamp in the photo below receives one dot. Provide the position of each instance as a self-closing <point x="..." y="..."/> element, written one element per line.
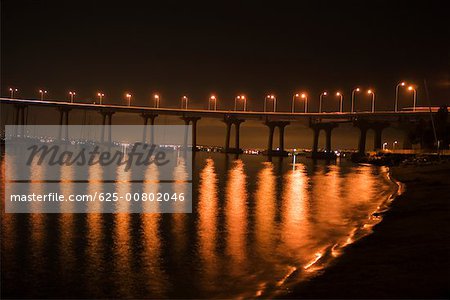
<point x="128" y="96"/>
<point x="42" y="92"/>
<point x="212" y="99"/>
<point x="71" y="95"/>
<point x="341" y="98"/>
<point x="100" y="96"/>
<point x="396" y="94"/>
<point x="385" y="146"/>
<point x="274" y="99"/>
<point x="157" y="100"/>
<point x="12" y="90"/>
<point x="411" y="88"/>
<point x="353" y="98"/>
<point x="184" y="102"/>
<point x="394" y="144"/>
<point x="373" y="99"/>
<point x="241" y="97"/>
<point x="320" y="100"/>
<point x="304" y="96"/>
<point x="295" y="96"/>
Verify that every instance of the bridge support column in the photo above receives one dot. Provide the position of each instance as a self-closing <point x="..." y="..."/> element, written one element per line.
<point x="109" y="126"/>
<point x="227" y="137"/>
<point x="363" y="126"/>
<point x="378" y="128"/>
<point x="63" y="123"/>
<point x="315" y="147"/>
<point x="188" y="121"/>
<point x="230" y="121"/>
<point x="237" y="126"/>
<point x="106" y="121"/>
<point x="408" y="138"/>
<point x="146" y="117"/>
<point x="20" y="119"/>
<point x="362" y="141"/>
<point x="328" y="128"/>
<point x="407" y="141"/>
<point x="272" y="125"/>
<point x="328" y="138"/>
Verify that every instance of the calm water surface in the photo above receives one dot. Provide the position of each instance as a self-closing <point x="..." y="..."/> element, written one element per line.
<point x="256" y="227"/>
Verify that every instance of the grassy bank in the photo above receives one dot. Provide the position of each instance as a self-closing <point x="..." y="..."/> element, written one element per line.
<point x="407" y="256"/>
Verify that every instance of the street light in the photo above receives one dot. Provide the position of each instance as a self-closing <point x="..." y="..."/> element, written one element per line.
<point x="353" y="98"/>
<point x="42" y="92"/>
<point x="304" y="96"/>
<point x="241" y="97"/>
<point x="320" y="101"/>
<point x="396" y="94"/>
<point x="385" y="146"/>
<point x="270" y="97"/>
<point x="12" y="90"/>
<point x="212" y="98"/>
<point x="100" y="96"/>
<point x="128" y="98"/>
<point x="394" y="144"/>
<point x="293" y="101"/>
<point x="341" y="98"/>
<point x="71" y="94"/>
<point x="373" y="99"/>
<point x="411" y="88"/>
<point x="157" y="100"/>
<point x="184" y="102"/>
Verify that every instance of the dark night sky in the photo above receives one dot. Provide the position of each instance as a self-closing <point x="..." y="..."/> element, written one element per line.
<point x="228" y="48"/>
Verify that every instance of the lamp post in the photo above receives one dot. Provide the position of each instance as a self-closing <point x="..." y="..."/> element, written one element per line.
<point x="241" y="97"/>
<point x="304" y="96"/>
<point x="71" y="95"/>
<point x="394" y="144"/>
<point x="212" y="99"/>
<point x="373" y="99"/>
<point x="353" y="98"/>
<point x="341" y="98"/>
<point x="12" y="90"/>
<point x="396" y="94"/>
<point x="157" y="100"/>
<point x="184" y="102"/>
<point x="42" y="92"/>
<point x="100" y="96"/>
<point x="128" y="96"/>
<point x="293" y="101"/>
<point x="385" y="146"/>
<point x="320" y="100"/>
<point x="270" y="97"/>
<point x="411" y="88"/>
<point x="265" y="100"/>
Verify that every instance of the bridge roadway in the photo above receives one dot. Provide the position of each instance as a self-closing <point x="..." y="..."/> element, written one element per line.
<point x="326" y="121"/>
<point x="218" y="114"/>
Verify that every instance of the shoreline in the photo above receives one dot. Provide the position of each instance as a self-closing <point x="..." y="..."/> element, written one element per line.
<point x="406" y="255"/>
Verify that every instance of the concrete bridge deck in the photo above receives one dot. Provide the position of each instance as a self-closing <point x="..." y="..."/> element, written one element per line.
<point x="219" y="114"/>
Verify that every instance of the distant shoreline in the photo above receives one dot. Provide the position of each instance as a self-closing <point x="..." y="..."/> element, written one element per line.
<point x="407" y="254"/>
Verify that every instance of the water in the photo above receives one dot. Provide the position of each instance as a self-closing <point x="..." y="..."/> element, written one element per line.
<point x="256" y="227"/>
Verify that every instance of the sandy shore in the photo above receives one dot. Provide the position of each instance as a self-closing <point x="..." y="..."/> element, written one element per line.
<point x="407" y="256"/>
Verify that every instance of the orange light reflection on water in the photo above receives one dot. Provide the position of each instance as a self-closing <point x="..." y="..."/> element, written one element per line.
<point x="265" y="210"/>
<point x="207" y="221"/>
<point x="236" y="217"/>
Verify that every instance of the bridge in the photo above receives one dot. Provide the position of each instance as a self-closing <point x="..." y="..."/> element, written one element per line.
<point x="327" y="121"/>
